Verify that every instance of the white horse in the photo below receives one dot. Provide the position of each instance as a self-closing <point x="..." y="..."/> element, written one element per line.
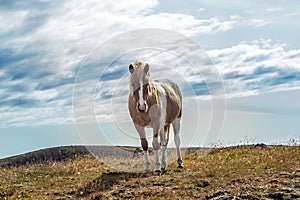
<point x="155" y="104"/>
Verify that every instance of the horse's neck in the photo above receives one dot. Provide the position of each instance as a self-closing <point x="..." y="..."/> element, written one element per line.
<point x="153" y="95"/>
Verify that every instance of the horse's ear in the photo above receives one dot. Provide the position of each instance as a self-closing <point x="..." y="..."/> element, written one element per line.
<point x="131" y="68"/>
<point x="146" y="68"/>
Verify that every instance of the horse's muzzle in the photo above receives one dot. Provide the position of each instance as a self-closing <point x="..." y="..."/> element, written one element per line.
<point x="141" y="108"/>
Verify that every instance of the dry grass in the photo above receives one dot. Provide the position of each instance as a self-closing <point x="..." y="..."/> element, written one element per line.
<point x="244" y="172"/>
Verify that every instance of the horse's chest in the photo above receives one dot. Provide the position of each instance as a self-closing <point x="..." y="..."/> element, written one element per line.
<point x="141" y="119"/>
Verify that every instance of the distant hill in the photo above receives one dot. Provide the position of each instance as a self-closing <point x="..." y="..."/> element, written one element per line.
<point x="45" y="155"/>
<point x="67" y="153"/>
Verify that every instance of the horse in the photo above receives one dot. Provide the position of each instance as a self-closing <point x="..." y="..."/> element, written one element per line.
<point x="158" y="105"/>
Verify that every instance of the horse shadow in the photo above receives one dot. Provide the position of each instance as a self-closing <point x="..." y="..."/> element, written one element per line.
<point x="106" y="181"/>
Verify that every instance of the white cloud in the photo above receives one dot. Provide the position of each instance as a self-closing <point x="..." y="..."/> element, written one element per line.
<point x="36" y="116"/>
<point x="201" y="9"/>
<point x="258" y="22"/>
<point x="63" y="39"/>
<point x="274" y="9"/>
<point x="258" y="67"/>
<point x="45" y="94"/>
<point x="9" y="21"/>
<point x="108" y="18"/>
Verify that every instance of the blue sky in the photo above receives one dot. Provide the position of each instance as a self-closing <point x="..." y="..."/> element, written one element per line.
<point x="45" y="45"/>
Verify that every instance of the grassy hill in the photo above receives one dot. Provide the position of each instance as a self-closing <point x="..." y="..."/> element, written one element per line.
<point x="242" y="172"/>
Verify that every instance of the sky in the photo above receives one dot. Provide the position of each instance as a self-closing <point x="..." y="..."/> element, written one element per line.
<point x="64" y="70"/>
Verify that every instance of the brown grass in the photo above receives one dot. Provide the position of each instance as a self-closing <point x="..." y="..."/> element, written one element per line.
<point x="244" y="172"/>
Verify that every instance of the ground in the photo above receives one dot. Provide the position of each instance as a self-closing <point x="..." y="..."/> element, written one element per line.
<point x="241" y="172"/>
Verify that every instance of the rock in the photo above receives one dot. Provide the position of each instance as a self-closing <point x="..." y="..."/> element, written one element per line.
<point x="221" y="195"/>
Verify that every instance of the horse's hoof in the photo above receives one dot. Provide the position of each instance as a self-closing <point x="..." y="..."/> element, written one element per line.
<point x="180" y="166"/>
<point x="163" y="170"/>
<point x="157" y="173"/>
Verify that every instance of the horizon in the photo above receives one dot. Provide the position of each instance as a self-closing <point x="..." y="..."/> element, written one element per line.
<point x="247" y="143"/>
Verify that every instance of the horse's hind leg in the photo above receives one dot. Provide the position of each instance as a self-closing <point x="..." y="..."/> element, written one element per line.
<point x="164" y="142"/>
<point x="176" y="129"/>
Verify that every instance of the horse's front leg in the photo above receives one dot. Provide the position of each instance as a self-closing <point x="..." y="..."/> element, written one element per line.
<point x="157" y="124"/>
<point x="144" y="143"/>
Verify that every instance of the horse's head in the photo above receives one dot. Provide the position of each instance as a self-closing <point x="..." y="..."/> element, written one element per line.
<point x="140" y="84"/>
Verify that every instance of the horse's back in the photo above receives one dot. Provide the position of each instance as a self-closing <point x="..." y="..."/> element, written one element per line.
<point x="169" y="83"/>
<point x="173" y="97"/>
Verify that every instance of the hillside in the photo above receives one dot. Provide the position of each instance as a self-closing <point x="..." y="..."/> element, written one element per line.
<point x="242" y="172"/>
<point x="45" y="156"/>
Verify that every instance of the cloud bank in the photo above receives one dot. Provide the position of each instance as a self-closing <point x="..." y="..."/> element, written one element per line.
<point x="258" y="67"/>
<point x="44" y="43"/>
